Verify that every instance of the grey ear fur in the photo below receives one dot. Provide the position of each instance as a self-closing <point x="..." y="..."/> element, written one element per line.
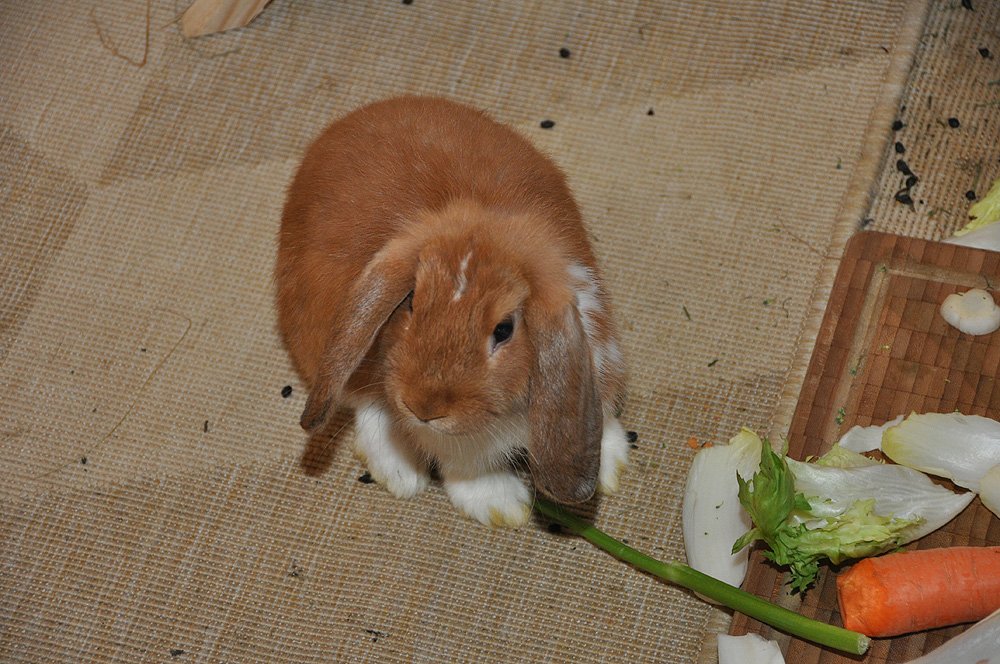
<point x="384" y="284"/>
<point x="565" y="411"/>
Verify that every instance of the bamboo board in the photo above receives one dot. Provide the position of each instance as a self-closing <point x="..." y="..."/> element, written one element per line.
<point x="884" y="350"/>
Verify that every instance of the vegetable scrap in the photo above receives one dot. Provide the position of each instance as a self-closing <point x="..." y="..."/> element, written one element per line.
<point x="711" y="588"/>
<point x="687" y="314"/>
<point x="748" y="649"/>
<point x="959" y="447"/>
<point x="972" y="312"/>
<point x="841" y="414"/>
<point x="976" y="644"/>
<point x="912" y="591"/>
<point x="711" y="515"/>
<point x="840" y="507"/>
<point x="982" y="230"/>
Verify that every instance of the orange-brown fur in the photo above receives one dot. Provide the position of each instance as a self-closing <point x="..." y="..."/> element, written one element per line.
<point x="396" y="196"/>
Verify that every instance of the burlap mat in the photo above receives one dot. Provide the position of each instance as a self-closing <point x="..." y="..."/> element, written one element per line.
<point x="159" y="502"/>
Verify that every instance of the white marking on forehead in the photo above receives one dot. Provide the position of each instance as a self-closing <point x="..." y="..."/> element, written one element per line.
<point x="461" y="281"/>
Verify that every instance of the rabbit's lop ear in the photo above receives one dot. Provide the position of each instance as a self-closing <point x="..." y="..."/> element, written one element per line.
<point x="564" y="411"/>
<point x="381" y="288"/>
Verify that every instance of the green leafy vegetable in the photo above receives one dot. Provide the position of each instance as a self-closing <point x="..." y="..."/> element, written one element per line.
<point x="841" y="507"/>
<point x="985" y="211"/>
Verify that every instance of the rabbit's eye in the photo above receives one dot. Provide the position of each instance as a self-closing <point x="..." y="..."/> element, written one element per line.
<point x="502" y="332"/>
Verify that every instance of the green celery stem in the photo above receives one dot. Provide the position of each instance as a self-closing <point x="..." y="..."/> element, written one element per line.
<point x="727" y="595"/>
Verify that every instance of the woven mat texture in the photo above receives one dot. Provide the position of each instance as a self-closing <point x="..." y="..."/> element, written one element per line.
<point x="947" y="127"/>
<point x="158" y="501"/>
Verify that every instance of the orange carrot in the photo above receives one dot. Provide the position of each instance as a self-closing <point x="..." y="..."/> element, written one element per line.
<point x="912" y="591"/>
<point x="693" y="443"/>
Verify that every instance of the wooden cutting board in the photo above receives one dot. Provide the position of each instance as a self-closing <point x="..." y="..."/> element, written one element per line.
<point x="884" y="350"/>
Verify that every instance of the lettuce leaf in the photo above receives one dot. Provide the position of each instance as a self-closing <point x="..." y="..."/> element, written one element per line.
<point x="843" y="508"/>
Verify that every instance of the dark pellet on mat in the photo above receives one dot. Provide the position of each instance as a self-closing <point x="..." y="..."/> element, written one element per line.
<point x="286" y="391"/>
<point x="176" y="652"/>
<point x="84" y="461"/>
<point x="555" y="528"/>
<point x="631" y="436"/>
<point x="564" y="53"/>
<point x="897" y="125"/>
<point x="204" y="427"/>
<point x="900" y="148"/>
<point x="904" y="198"/>
<point x="366" y="478"/>
<point x="633" y="446"/>
<point x="903" y="168"/>
<point x="967" y="4"/>
<point x="971" y="195"/>
<point x="911" y="180"/>
<point x="407" y="2"/>
<point x="650" y="112"/>
<point x="954" y="123"/>
<point x="547" y="124"/>
<point x="985" y="52"/>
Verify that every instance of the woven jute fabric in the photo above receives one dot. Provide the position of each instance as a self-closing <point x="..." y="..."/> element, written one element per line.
<point x="158" y="501"/>
<point x="944" y="150"/>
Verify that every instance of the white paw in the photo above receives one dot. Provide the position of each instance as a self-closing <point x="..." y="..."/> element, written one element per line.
<point x="614" y="455"/>
<point x="495" y="499"/>
<point x="390" y="461"/>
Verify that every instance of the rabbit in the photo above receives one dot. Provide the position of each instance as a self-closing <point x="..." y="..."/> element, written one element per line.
<point x="433" y="273"/>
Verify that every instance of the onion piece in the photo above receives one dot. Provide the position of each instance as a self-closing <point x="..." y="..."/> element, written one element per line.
<point x="976" y="645"/>
<point x="865" y="439"/>
<point x="989" y="489"/>
<point x="972" y="312"/>
<point x="748" y="649"/>
<point x="959" y="447"/>
<point x="712" y="515"/>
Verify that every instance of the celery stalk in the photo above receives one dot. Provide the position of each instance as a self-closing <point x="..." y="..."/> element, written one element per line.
<point x="723" y="593"/>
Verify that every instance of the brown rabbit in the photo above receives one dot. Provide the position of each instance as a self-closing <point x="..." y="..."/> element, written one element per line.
<point x="434" y="274"/>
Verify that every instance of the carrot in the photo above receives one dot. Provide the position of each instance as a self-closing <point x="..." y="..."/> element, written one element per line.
<point x="693" y="443"/>
<point x="912" y="591"/>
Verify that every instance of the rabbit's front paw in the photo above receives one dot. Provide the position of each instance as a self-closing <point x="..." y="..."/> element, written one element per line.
<point x="614" y="455"/>
<point x="497" y="500"/>
<point x="387" y="458"/>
